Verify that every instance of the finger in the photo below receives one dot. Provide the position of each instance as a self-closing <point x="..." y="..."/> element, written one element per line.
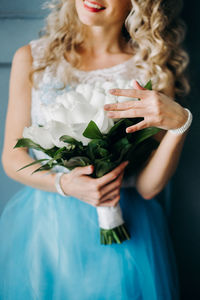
<point x="138" y="126"/>
<point x="130" y="93"/>
<point x="111" y="196"/>
<point x="131" y="113"/>
<point x="136" y="85"/>
<point x="112" y="175"/>
<point x="124" y="105"/>
<point x="84" y="170"/>
<point x="112" y="186"/>
<point x="111" y="203"/>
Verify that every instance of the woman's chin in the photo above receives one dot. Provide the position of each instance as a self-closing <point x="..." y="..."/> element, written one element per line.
<point x="88" y="16"/>
<point x="90" y="20"/>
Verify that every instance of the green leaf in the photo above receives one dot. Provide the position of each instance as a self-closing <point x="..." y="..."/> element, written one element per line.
<point x="120" y="149"/>
<point x="100" y="142"/>
<point x="51" y="152"/>
<point x="103" y="152"/>
<point x="119" y="128"/>
<point x="119" y="145"/>
<point x="70" y="140"/>
<point x="92" y="131"/>
<point x="148" y="86"/>
<point x="139" y="155"/>
<point x="33" y="163"/>
<point x="28" y="143"/>
<point x="78" y="161"/>
<point x="124" y="153"/>
<point x="51" y="162"/>
<point x="97" y="148"/>
<point x="58" y="153"/>
<point x="115" y="127"/>
<point x="102" y="167"/>
<point x="43" y="168"/>
<point x="92" y="149"/>
<point x="144" y="134"/>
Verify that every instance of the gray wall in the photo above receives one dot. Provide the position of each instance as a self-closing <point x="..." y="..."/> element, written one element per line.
<point x="20" y="21"/>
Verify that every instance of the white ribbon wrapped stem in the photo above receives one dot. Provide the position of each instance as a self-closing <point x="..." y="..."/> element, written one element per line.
<point x="110" y="217"/>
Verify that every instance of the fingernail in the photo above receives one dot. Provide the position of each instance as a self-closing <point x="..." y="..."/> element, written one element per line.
<point x="129" y="130"/>
<point x="112" y="90"/>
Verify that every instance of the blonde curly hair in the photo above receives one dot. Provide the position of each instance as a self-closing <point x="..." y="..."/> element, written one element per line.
<point x="153" y="28"/>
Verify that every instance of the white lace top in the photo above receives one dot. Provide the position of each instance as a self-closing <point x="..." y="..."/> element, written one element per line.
<point x="50" y="85"/>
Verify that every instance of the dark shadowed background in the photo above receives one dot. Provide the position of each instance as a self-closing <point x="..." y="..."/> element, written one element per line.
<point x="20" y="22"/>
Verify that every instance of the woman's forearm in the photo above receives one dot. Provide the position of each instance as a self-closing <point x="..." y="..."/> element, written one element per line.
<point x="43" y="180"/>
<point x="161" y="166"/>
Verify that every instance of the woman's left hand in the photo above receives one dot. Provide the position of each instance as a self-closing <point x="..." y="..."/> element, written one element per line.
<point x="156" y="108"/>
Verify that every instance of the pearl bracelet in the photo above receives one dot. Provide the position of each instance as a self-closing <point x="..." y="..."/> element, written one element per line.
<point x="57" y="183"/>
<point x="185" y="126"/>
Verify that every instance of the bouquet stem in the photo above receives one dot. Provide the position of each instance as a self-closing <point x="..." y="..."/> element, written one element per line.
<point x="116" y="235"/>
<point x="112" y="226"/>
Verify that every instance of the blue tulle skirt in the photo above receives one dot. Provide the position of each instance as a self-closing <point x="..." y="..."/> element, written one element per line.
<point x="50" y="249"/>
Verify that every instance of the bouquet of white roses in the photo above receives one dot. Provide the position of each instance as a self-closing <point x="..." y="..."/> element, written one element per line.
<point x="77" y="132"/>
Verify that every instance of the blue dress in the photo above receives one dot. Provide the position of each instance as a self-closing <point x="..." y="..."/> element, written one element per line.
<point x="50" y="247"/>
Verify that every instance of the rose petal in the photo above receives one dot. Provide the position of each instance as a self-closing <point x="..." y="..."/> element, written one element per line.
<point x="85" y="90"/>
<point x="98" y="98"/>
<point x="39" y="135"/>
<point x="103" y="122"/>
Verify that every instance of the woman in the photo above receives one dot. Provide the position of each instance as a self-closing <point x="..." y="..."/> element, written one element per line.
<point x="50" y="244"/>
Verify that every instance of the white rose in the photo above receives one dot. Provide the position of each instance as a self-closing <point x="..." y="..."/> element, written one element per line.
<point x="69" y="108"/>
<point x="39" y="135"/>
<point x="103" y="122"/>
<point x="98" y="98"/>
<point x="98" y="84"/>
<point x="78" y="110"/>
<point x="82" y="113"/>
<point x="121" y="83"/>
<point x="79" y="128"/>
<point x="110" y="99"/>
<point x="128" y="84"/>
<point x="107" y="85"/>
<point x="66" y="99"/>
<point x="85" y="90"/>
<point x="57" y="129"/>
<point x="55" y="112"/>
<point x="69" y="99"/>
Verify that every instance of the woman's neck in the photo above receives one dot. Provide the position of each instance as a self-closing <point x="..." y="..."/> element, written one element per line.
<point x="104" y="41"/>
<point x="104" y="47"/>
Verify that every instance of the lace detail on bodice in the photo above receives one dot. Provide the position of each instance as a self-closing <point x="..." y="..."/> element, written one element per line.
<point x="49" y="84"/>
<point x="123" y="70"/>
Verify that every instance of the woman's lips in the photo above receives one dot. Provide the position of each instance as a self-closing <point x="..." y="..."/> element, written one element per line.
<point x="93" y="6"/>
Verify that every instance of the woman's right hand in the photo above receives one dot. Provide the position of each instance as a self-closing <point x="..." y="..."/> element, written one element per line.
<point x="103" y="191"/>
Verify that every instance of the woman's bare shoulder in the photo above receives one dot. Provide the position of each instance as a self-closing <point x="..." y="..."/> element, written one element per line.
<point x="23" y="55"/>
<point x="21" y="66"/>
<point x="20" y="71"/>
